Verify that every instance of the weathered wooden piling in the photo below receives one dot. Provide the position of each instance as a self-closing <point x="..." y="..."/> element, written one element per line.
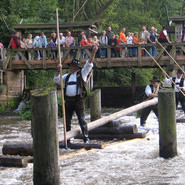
<point x="45" y="137"/>
<point x="95" y="104"/>
<point x="167" y="124"/>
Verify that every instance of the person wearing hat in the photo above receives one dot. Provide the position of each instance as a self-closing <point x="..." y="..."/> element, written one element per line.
<point x="180" y="85"/>
<point x="151" y="91"/>
<point x="75" y="91"/>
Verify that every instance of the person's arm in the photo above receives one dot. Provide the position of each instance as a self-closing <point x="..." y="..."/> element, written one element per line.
<point x="57" y="75"/>
<point x="149" y="93"/>
<point x="95" y="49"/>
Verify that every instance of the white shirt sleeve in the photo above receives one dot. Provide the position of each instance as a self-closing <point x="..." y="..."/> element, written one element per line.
<point x="57" y="79"/>
<point x="183" y="86"/>
<point x="148" y="90"/>
<point x="167" y="80"/>
<point x="165" y="32"/>
<point x="86" y="70"/>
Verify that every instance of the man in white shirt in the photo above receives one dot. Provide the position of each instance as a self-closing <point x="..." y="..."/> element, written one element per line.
<point x="163" y="38"/>
<point x="75" y="91"/>
<point x="151" y="91"/>
<point x="180" y="85"/>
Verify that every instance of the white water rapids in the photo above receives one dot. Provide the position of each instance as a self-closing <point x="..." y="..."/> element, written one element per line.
<point x="121" y="162"/>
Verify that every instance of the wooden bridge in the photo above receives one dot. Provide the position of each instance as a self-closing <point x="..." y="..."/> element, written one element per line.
<point x="9" y="62"/>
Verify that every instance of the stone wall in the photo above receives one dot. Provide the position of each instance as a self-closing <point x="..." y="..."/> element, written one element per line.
<point x="12" y="87"/>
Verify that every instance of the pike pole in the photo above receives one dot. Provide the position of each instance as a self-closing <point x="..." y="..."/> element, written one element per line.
<point x="163" y="71"/>
<point x="170" y="56"/>
<point x="61" y="83"/>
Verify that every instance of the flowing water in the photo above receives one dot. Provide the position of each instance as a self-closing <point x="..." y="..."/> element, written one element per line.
<point x="121" y="162"/>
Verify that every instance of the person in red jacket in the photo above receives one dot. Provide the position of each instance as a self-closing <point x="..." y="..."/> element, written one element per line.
<point x="163" y="38"/>
<point x="15" y="43"/>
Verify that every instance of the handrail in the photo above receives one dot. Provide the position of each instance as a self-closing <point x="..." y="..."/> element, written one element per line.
<point x="137" y="60"/>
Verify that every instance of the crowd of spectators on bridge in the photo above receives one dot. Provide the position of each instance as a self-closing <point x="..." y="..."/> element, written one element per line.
<point x="106" y="38"/>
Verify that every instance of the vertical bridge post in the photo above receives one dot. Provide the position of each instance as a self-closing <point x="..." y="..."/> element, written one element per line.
<point x="167" y="124"/>
<point x="45" y="137"/>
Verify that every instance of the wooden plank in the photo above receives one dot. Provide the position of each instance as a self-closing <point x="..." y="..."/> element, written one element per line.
<point x="183" y="48"/>
<point x="173" y="54"/>
<point x="160" y="54"/>
<point x="25" y="60"/>
<point x="65" y="55"/>
<point x="109" y="57"/>
<point x="44" y="60"/>
<point x="7" y="60"/>
<point x="139" y="56"/>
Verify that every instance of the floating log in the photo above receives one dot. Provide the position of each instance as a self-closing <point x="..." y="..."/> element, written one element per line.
<point x="18" y="149"/>
<point x="13" y="161"/>
<point x="83" y="145"/>
<point x="124" y="129"/>
<point x="180" y="120"/>
<point x="104" y="120"/>
<point x="113" y="123"/>
<point x="116" y="136"/>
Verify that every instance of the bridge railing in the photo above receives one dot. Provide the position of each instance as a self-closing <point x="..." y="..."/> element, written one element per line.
<point x="43" y="55"/>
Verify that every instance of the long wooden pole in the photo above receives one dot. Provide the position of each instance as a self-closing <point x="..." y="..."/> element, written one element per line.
<point x="163" y="71"/>
<point x="170" y="56"/>
<point x="61" y="83"/>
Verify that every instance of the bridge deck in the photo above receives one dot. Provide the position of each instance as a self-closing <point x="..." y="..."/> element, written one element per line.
<point x="9" y="63"/>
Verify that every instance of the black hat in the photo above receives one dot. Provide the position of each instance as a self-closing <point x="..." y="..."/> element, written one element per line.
<point x="75" y="62"/>
<point x="180" y="71"/>
<point x="155" y="79"/>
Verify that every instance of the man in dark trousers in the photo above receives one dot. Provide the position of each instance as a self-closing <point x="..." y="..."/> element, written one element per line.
<point x="151" y="91"/>
<point x="180" y="85"/>
<point x="75" y="91"/>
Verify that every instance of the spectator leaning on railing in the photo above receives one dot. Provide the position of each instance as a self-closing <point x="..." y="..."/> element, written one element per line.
<point x="1" y="50"/>
<point x="15" y="43"/>
<point x="103" y="41"/>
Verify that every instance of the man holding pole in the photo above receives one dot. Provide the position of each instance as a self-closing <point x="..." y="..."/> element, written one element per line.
<point x="75" y="91"/>
<point x="180" y="86"/>
<point x="151" y="91"/>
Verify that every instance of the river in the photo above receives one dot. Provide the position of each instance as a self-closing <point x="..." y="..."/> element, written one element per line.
<point x="120" y="162"/>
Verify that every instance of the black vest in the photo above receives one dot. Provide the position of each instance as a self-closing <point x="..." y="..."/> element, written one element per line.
<point x="181" y="84"/>
<point x="79" y="84"/>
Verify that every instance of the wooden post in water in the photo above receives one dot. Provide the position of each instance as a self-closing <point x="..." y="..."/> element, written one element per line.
<point x="167" y="123"/>
<point x="95" y="104"/>
<point x="45" y="137"/>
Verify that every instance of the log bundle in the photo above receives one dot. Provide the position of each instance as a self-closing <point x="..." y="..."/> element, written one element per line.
<point x="116" y="130"/>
